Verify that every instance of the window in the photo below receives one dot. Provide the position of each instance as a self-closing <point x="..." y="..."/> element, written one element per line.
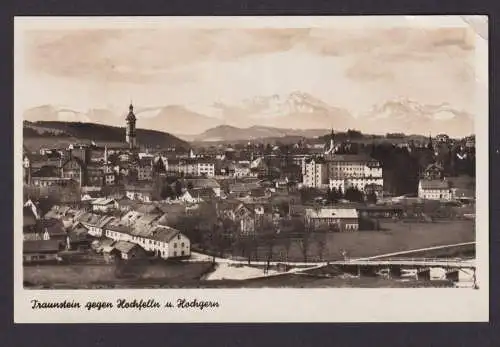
<point x="182" y="244"/>
<point x="175" y="245"/>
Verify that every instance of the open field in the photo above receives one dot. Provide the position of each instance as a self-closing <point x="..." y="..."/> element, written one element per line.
<point x="83" y="276"/>
<point x="303" y="281"/>
<point x="395" y="237"/>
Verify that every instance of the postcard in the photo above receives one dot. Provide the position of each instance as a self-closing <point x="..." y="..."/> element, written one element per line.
<point x="251" y="169"/>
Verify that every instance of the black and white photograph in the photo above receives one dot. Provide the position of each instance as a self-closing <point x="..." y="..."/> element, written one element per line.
<point x="226" y="154"/>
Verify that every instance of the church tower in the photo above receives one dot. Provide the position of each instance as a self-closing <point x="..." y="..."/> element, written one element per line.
<point x="331" y="147"/>
<point x="130" y="130"/>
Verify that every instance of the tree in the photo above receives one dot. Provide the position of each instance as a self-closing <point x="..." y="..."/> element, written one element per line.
<point x="178" y="188"/>
<point x="321" y="240"/>
<point x="372" y="197"/>
<point x="304" y="240"/>
<point x="167" y="192"/>
<point x="354" y="195"/>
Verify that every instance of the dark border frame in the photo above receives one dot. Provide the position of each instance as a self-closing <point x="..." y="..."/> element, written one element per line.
<point x="397" y="334"/>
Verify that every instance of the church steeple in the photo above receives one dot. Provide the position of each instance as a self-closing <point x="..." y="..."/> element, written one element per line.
<point x="130" y="129"/>
<point x="430" y="145"/>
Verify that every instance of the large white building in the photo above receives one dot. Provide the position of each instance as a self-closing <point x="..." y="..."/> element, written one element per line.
<point x="434" y="189"/>
<point x="353" y="170"/>
<point x="316" y="173"/>
<point x="164" y="241"/>
<point x="206" y="168"/>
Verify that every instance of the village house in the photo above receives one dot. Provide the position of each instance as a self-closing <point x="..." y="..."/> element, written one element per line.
<point x="40" y="250"/>
<point x="193" y="196"/>
<point x="333" y="219"/>
<point x="145" y="170"/>
<point x="241" y="189"/>
<point x="78" y="238"/>
<point x="163" y="241"/>
<point x="434" y="189"/>
<point x="142" y="193"/>
<point x="194" y="183"/>
<point x="95" y="223"/>
<point x="126" y="250"/>
<point x="104" y="205"/>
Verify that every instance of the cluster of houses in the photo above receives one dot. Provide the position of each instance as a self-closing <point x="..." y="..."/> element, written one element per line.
<point x="130" y="234"/>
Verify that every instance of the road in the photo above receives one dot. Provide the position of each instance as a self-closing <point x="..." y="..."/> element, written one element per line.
<point x="196" y="257"/>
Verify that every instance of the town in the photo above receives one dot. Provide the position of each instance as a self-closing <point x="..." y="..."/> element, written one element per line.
<point x="256" y="208"/>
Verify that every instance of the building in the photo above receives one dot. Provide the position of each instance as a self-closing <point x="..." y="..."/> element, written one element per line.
<point x="163" y="241"/>
<point x="40" y="251"/>
<point x="434" y="189"/>
<point x="434" y="172"/>
<point x="316" y="174"/>
<point x="73" y="168"/>
<point x="242" y="170"/>
<point x="104" y="205"/>
<point x="333" y="219"/>
<point x="51" y="181"/>
<point x="192" y="196"/>
<point x="145" y="169"/>
<point x="142" y="193"/>
<point x="130" y="131"/>
<point x="353" y="171"/>
<point x="206" y="168"/>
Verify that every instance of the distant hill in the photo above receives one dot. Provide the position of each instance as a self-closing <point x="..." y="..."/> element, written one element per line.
<point x="231" y="133"/>
<point x="51" y="131"/>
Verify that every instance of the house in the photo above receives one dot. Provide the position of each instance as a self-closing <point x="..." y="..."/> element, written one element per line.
<point x="52" y="229"/>
<point x="104" y="205"/>
<point x="142" y="193"/>
<point x="242" y="170"/>
<point x="145" y="169"/>
<point x="128" y="250"/>
<point x="249" y="217"/>
<point x="195" y="183"/>
<point x="239" y="189"/>
<point x="434" y="189"/>
<point x="40" y="250"/>
<point x="192" y="196"/>
<point x="125" y="204"/>
<point x="78" y="238"/>
<point x="95" y="223"/>
<point x="163" y="241"/>
<point x="382" y="211"/>
<point x="333" y="219"/>
<point x="433" y="172"/>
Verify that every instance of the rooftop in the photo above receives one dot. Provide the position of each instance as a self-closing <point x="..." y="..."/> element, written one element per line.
<point x="38" y="246"/>
<point x="434" y="184"/>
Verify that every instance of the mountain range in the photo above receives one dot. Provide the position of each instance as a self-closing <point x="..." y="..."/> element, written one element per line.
<point x="276" y="114"/>
<point x="231" y="133"/>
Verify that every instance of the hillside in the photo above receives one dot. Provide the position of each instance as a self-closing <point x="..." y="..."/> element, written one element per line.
<point x="50" y="132"/>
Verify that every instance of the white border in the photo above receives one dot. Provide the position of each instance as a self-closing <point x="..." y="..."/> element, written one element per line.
<point x="266" y="305"/>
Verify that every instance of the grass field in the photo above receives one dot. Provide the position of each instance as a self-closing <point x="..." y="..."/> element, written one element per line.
<point x="301" y="281"/>
<point x="83" y="276"/>
<point x="395" y="237"/>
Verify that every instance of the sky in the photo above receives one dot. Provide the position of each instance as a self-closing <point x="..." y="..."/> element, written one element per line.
<point x="349" y="66"/>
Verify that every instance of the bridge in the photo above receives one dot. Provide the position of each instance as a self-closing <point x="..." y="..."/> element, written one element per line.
<point x="411" y="262"/>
